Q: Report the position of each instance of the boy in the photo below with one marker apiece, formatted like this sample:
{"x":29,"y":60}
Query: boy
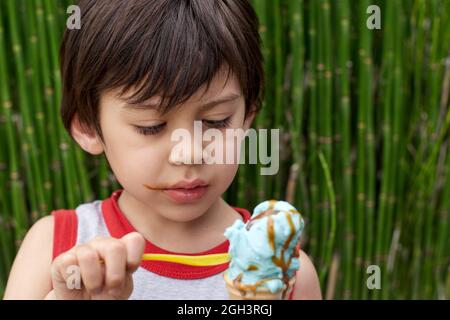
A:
{"x":136,"y":71}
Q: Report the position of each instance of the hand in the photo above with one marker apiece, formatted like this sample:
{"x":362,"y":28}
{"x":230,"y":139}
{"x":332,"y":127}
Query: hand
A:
{"x":104,"y":266}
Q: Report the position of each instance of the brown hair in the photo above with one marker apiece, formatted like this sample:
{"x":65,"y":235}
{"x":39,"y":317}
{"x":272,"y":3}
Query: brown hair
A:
{"x":166,"y":47}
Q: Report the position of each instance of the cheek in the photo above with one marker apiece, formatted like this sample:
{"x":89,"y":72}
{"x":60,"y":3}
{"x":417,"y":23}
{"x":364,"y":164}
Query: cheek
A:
{"x":223,"y":157}
{"x":224,"y":175}
{"x":132,"y":172}
{"x":134,"y":163}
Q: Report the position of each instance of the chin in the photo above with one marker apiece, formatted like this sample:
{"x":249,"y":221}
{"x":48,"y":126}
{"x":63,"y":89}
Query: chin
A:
{"x":186,"y":213}
{"x":183,"y":217}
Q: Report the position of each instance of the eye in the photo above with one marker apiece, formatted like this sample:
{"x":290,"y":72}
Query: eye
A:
{"x":218,"y":123}
{"x":147,"y":131}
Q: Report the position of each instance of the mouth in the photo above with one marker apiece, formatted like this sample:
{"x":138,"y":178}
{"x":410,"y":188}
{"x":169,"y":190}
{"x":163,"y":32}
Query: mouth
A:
{"x":184,"y":191}
{"x":188,"y":185}
{"x":183,"y":195}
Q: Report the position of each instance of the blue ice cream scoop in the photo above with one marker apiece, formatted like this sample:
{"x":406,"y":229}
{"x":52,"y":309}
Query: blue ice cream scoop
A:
{"x":264,"y":250}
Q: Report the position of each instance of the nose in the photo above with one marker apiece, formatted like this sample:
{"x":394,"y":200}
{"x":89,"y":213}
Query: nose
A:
{"x":187,"y":146}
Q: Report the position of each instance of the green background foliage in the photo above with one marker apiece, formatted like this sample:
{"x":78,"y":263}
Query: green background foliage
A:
{"x":364,"y":118}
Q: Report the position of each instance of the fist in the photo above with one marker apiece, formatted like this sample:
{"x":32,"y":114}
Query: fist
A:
{"x":104,"y":267}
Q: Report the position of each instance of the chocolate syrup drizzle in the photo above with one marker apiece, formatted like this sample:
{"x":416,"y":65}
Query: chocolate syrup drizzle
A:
{"x":278,"y":261}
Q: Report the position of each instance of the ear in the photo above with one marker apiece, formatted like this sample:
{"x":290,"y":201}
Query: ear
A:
{"x":88,"y":140}
{"x":249,"y":120}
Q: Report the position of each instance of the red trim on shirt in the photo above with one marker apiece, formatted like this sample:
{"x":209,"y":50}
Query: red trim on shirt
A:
{"x":64,"y":231}
{"x":118,"y":225}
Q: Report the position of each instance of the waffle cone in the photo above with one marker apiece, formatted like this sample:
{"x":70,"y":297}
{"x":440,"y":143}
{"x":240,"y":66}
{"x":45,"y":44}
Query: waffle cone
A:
{"x":260,"y":294}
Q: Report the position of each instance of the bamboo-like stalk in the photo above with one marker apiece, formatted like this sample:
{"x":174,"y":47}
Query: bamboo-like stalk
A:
{"x":336,"y":163}
{"x":414,"y":199}
{"x":56,"y":184}
{"x":366,"y":98}
{"x":401,"y":169}
{"x":397,"y":145}
{"x":386,"y":127}
{"x":32,"y":42}
{"x":263,"y":119}
{"x":312,"y":134}
{"x":325,"y":123}
{"x":363,"y":170}
{"x":344,"y":147}
{"x":421,"y":207}
{"x":295,"y":115}
{"x":332,"y":201}
{"x":416,"y":48}
{"x":434,"y":78}
{"x":278,"y":82}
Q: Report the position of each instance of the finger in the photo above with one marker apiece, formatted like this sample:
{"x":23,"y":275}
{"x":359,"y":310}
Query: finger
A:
{"x":113,"y":252}
{"x":60,"y":266}
{"x":91,"y":270}
{"x":135,"y":245}
{"x":65,"y":275}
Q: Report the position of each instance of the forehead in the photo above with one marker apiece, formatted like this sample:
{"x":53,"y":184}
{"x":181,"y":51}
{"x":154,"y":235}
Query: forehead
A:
{"x":222,"y":88}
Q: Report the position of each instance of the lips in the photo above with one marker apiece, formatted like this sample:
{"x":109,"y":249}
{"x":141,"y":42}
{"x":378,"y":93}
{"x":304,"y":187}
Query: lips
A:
{"x":188,"y":184}
{"x":186,"y":195}
{"x":184,"y":191}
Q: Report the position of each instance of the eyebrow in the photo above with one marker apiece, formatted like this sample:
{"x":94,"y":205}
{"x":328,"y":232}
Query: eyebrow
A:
{"x":205,"y":106}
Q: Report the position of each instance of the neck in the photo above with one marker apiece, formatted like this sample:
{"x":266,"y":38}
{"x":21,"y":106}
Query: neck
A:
{"x":179,"y":236}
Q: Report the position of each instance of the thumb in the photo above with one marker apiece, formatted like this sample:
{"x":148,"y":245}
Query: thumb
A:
{"x":135,"y":245}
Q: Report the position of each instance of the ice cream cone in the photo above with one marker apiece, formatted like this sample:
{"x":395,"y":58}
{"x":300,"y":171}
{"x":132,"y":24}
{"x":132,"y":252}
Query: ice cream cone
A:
{"x":260,"y":294}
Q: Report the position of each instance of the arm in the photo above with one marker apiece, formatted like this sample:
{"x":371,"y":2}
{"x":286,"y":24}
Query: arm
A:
{"x":30,"y":276}
{"x":307,"y":286}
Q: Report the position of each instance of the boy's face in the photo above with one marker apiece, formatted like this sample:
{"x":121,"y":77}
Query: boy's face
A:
{"x":139,"y":159}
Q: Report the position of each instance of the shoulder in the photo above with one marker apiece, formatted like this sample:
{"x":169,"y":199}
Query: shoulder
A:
{"x":307,"y":286}
{"x":41,"y":232}
{"x":36,"y":251}
{"x":43,"y":224}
